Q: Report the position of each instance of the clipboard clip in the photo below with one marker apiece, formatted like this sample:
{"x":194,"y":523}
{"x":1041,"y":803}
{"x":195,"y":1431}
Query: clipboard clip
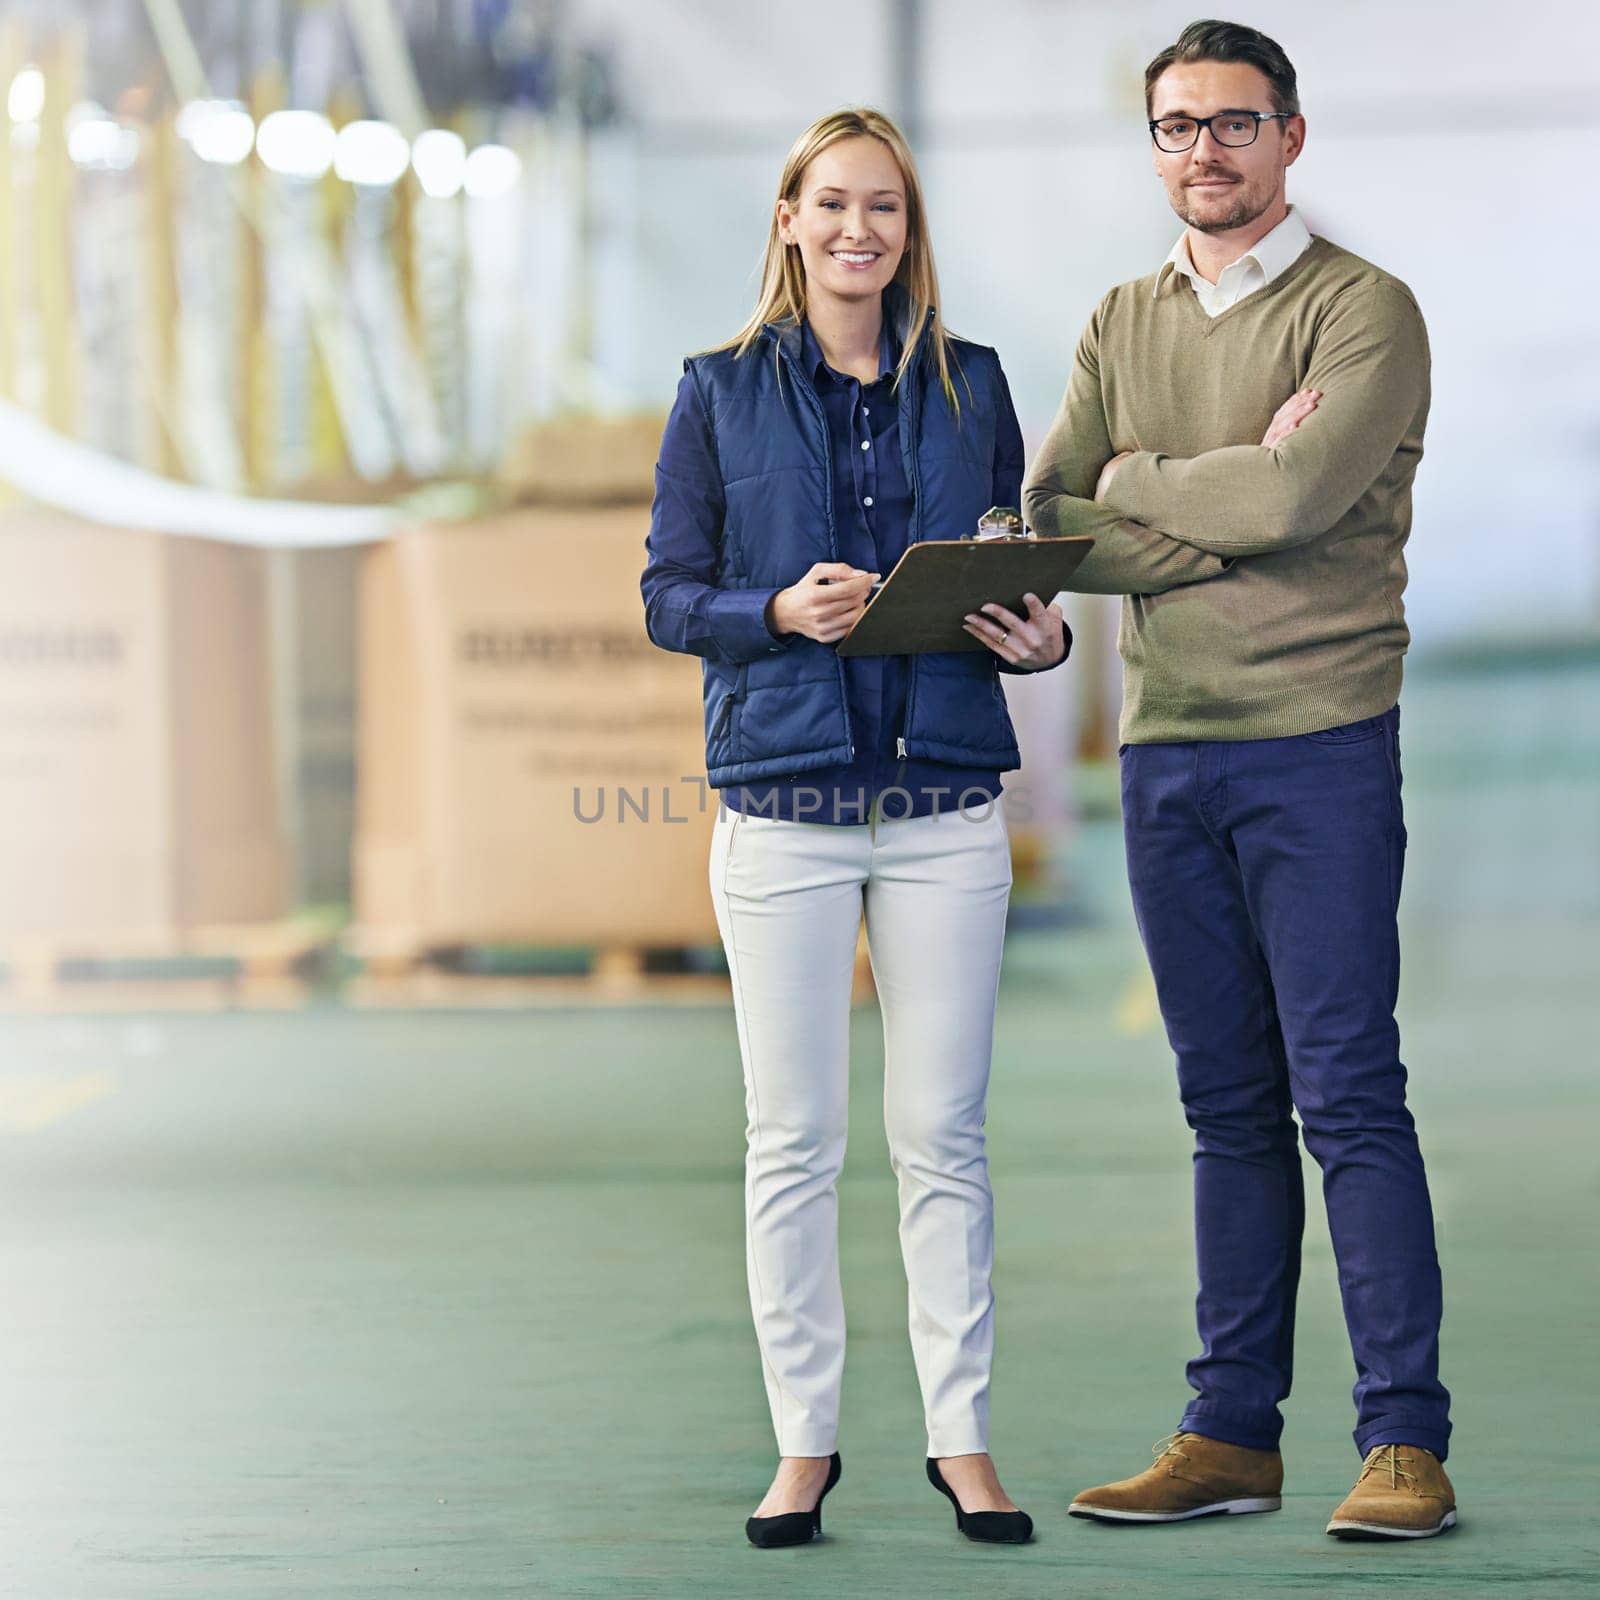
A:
{"x":1001,"y":522}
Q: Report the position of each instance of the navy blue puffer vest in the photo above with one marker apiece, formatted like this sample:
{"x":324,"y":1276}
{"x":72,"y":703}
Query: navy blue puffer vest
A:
{"x":785,"y":713}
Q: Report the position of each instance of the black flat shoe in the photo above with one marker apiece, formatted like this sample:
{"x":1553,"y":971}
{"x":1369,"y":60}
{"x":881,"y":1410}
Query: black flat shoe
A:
{"x":793,"y":1527}
{"x":987,"y":1527}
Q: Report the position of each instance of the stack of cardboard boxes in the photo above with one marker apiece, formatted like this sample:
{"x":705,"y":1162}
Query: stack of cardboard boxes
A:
{"x":137,"y":791}
{"x":530,"y":767}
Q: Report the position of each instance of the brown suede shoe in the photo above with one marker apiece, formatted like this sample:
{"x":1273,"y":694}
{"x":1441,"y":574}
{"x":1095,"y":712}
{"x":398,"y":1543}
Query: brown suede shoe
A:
{"x":1402,"y":1493}
{"x":1193,"y":1476}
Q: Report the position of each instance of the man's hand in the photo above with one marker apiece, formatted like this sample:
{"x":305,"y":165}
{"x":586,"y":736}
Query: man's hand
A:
{"x":1290,"y":415}
{"x":1036,"y":641}
{"x":1285,"y":420}
{"x":1107,"y":470}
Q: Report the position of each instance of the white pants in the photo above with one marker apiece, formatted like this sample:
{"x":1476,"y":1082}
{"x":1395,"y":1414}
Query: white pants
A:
{"x":789,"y":898}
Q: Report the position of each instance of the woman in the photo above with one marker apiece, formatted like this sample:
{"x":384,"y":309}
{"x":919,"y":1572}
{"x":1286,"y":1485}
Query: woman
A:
{"x":800,"y":459}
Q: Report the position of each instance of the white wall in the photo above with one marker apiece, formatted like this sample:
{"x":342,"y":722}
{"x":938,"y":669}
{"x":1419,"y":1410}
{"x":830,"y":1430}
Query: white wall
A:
{"x":1042,"y":196}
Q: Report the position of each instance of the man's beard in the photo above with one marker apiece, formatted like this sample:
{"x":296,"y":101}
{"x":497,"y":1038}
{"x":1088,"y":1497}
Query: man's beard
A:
{"x":1245,"y":209}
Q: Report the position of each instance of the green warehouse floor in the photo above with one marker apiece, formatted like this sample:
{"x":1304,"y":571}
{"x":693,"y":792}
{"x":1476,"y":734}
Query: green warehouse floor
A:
{"x":344,"y":1304}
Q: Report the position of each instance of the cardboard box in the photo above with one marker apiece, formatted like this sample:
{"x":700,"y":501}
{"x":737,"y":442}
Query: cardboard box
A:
{"x":585,"y":461}
{"x":137,"y":789}
{"x":530,"y":768}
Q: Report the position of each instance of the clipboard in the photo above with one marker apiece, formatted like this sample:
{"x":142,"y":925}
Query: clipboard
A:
{"x":921,"y":605}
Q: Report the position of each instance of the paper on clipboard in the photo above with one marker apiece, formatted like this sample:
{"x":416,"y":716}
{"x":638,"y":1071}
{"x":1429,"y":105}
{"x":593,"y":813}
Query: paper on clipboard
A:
{"x":922,"y":604}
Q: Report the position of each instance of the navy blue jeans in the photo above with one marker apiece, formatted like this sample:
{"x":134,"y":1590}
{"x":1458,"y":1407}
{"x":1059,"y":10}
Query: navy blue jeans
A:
{"x":1266,"y":881}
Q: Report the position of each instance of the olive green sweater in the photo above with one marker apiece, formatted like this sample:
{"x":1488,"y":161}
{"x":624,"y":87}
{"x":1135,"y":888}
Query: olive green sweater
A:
{"x":1263,"y":586}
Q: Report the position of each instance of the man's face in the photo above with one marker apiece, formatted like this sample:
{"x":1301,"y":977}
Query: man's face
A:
{"x":1215,"y":187}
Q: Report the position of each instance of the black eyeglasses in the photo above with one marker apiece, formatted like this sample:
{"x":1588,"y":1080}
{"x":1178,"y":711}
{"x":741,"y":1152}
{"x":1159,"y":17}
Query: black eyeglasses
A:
{"x":1232,"y":128}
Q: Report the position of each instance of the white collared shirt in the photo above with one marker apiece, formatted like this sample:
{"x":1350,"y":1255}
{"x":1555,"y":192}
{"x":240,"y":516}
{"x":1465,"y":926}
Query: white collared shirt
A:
{"x":1255,"y":269}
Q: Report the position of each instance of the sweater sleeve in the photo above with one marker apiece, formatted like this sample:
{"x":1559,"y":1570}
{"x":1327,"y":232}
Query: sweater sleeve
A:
{"x":684,"y":608}
{"x":1370,"y":360}
{"x":1058,"y":496}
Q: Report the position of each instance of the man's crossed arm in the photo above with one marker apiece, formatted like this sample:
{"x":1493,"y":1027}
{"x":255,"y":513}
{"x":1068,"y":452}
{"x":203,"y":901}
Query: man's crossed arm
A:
{"x":1160,"y":522}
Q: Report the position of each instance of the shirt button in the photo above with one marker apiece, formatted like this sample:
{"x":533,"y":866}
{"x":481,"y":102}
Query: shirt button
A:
{"x":866,"y":444}
{"x":867,"y":501}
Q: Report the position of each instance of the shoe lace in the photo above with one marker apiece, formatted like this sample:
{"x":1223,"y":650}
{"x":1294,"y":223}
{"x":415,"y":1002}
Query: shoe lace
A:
{"x":1386,"y":1455}
{"x":1169,"y":1447}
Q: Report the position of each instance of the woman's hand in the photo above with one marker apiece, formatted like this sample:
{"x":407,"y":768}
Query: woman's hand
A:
{"x":1290,"y":415}
{"x":824,"y":611}
{"x":1035,"y":641}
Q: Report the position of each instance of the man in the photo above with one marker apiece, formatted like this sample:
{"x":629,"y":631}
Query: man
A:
{"x":1259,"y":546}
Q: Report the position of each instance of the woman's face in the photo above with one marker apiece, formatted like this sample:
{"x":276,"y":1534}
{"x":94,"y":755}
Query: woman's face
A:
{"x":850,"y":219}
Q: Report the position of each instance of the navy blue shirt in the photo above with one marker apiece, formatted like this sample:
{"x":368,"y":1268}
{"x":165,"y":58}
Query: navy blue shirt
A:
{"x":872,"y":518}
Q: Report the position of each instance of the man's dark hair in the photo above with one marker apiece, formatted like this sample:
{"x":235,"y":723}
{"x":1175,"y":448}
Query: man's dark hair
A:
{"x":1229,"y":41}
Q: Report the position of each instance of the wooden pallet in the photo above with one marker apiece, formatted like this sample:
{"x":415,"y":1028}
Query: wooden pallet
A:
{"x":275,"y":966}
{"x":402,"y":969}
{"x":267,"y":965}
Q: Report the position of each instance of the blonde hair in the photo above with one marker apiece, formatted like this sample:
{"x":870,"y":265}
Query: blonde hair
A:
{"x":783,"y":273}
